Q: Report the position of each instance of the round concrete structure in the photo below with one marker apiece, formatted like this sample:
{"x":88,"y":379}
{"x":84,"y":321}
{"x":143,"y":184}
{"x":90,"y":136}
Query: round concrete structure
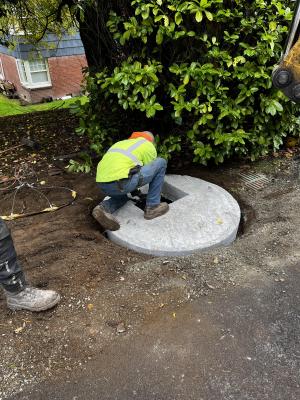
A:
{"x":202,"y":216}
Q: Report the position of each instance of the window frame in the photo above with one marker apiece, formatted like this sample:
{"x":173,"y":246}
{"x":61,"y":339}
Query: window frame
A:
{"x":28,"y":74}
{"x":2,"y":74}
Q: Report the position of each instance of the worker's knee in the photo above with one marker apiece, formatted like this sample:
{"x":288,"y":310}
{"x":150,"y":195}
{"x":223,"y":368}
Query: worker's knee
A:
{"x":161,"y":162}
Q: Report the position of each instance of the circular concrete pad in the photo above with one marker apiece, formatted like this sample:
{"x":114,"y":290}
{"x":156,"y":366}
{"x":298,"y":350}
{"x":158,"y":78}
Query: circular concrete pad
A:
{"x":202,"y":216}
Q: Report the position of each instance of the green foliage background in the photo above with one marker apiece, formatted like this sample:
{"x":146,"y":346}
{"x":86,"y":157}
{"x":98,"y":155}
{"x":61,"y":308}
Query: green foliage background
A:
{"x":197,"y":73}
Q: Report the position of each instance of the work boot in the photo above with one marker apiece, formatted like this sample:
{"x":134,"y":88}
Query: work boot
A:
{"x":156,"y":211}
{"x":32,"y":299}
{"x":105,"y":219}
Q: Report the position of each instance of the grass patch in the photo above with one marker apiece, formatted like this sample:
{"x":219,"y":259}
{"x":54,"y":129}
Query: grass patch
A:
{"x":13,"y":107}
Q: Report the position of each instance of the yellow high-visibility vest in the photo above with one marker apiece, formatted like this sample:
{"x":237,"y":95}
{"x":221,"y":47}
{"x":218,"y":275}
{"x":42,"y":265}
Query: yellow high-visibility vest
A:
{"x":122,"y":157}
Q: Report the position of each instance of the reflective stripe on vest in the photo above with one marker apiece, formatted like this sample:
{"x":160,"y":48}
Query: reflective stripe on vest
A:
{"x":128,"y":152}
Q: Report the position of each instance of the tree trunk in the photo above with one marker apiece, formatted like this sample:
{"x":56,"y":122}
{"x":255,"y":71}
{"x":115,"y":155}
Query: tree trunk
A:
{"x":100,"y":47}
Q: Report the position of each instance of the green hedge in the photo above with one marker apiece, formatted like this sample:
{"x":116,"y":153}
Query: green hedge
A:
{"x":198,"y":73}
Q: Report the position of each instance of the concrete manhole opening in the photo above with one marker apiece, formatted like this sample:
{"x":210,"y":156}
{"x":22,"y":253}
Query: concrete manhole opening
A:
{"x":139,"y":197}
{"x":202,"y":215}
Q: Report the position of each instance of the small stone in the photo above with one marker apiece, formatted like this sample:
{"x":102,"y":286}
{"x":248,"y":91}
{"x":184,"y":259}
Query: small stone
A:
{"x":121,"y":328}
{"x":93,"y":332}
{"x":209,"y":286}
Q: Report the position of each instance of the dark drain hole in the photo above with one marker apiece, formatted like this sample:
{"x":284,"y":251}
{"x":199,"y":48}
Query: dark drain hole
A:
{"x":140,"y":199}
{"x":248,"y":216}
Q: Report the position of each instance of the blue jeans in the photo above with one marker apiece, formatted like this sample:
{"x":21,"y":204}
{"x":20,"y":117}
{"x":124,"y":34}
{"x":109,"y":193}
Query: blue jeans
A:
{"x":152,"y":173}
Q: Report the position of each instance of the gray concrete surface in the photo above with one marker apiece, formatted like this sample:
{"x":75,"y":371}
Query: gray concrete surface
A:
{"x":202,"y":216}
{"x":238,"y":344}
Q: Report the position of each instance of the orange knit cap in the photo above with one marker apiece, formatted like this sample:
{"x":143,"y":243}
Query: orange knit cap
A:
{"x":146,"y":135}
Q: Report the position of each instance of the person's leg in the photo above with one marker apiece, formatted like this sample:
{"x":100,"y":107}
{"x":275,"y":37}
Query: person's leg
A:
{"x":12,"y":277}
{"x":18,"y":293}
{"x":154,"y":174}
{"x":114,"y":203}
{"x":117,"y":192}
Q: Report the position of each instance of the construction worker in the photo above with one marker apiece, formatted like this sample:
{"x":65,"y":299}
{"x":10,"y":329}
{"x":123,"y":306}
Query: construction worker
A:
{"x":128,"y":165}
{"x":18,"y":293}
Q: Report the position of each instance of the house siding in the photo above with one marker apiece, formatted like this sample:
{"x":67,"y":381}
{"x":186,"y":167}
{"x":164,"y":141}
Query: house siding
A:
{"x":11,"y":74}
{"x":66,"y":78}
{"x":5,"y":50}
{"x":51,"y":46}
{"x":65,"y":62}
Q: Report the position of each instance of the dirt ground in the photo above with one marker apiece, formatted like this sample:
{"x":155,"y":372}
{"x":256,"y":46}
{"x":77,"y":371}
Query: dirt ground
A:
{"x":109,"y":294}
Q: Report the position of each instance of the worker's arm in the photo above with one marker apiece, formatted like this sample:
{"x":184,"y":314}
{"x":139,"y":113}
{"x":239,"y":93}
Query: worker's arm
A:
{"x":149,"y":153}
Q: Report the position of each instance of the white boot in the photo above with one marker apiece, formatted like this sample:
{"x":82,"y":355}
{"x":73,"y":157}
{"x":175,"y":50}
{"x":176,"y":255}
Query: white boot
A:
{"x":32,"y":299}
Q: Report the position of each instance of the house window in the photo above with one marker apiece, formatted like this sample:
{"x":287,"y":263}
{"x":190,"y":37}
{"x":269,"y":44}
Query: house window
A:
{"x":22,"y":72}
{"x":2,"y":76}
{"x":34,"y":74}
